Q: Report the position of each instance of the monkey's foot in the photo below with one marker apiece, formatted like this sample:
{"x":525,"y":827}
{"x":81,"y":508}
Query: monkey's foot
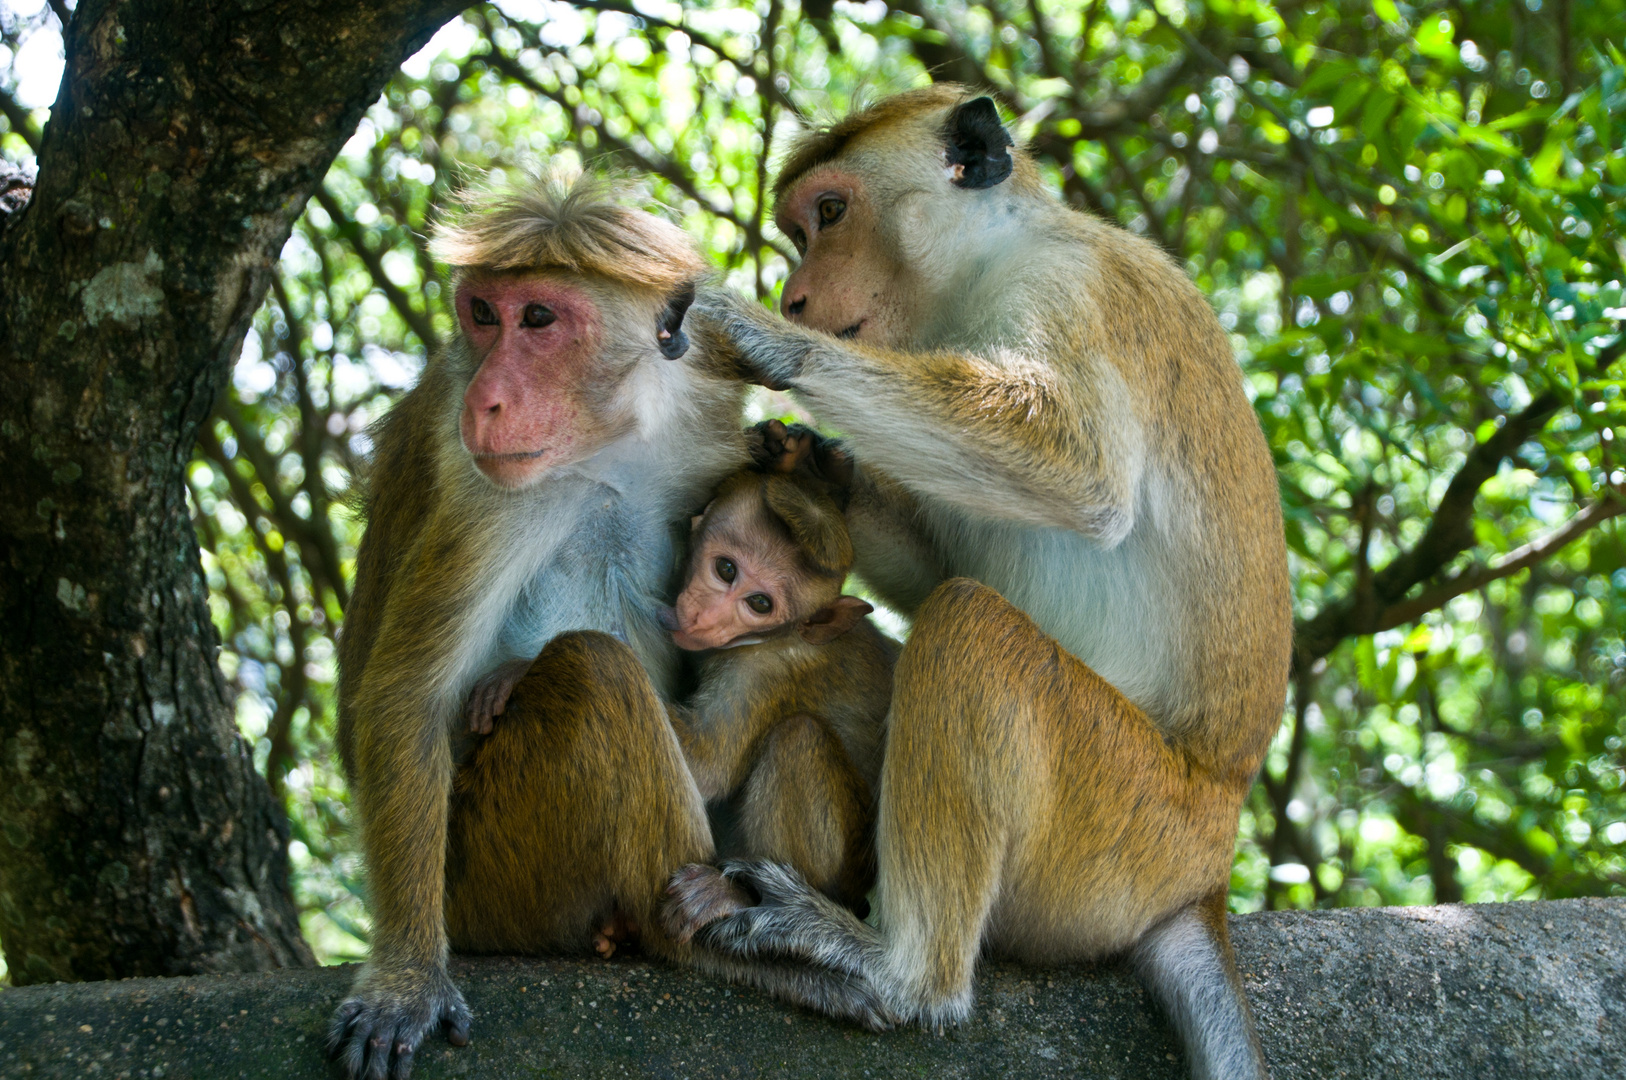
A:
{"x":698,"y":896}
{"x":779,"y":447}
{"x":618,"y":929}
{"x":791,"y":920}
{"x":490,"y":695}
{"x":378,"y":1028}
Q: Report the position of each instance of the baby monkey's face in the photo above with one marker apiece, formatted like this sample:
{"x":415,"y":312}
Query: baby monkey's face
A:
{"x":739,"y":589}
{"x":763,"y":556}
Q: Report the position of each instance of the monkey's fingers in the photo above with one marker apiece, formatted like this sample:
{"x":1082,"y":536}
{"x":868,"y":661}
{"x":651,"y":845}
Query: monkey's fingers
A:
{"x":339,"y":1040}
{"x":478,"y":712}
{"x":375,"y":1033}
{"x":456,"y":1022}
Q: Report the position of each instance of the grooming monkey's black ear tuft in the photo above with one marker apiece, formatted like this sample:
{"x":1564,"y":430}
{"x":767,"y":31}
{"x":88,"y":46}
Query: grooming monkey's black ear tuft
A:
{"x":669,"y":335}
{"x":978,"y":144}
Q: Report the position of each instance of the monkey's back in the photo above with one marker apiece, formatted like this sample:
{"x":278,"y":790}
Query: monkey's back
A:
{"x":1189,"y":614}
{"x":845,"y":684}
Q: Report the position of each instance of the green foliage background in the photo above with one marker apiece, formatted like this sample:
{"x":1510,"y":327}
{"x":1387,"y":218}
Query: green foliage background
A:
{"x":1408,"y":215}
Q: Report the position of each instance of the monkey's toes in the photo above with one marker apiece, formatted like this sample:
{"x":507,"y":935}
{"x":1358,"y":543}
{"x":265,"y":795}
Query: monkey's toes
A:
{"x":618,"y":929}
{"x":697,"y":897}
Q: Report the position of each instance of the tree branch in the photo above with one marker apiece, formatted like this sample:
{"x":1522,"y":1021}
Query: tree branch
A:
{"x":1612,"y":504}
{"x":1448,"y":535}
{"x":417,"y":321}
{"x":20,"y":120}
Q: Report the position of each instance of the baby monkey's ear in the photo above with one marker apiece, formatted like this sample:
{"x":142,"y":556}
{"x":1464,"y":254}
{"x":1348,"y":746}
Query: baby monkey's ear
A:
{"x":829,"y":623}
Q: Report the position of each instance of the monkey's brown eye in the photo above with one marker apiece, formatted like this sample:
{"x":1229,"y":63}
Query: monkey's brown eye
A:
{"x":482,"y":313}
{"x":799,"y":238}
{"x":761,"y":603}
{"x":830,"y":211}
{"x":538,"y":315}
{"x":725,"y":569}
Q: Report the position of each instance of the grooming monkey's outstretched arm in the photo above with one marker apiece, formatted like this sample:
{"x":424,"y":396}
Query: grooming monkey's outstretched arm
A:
{"x":1011,"y":439}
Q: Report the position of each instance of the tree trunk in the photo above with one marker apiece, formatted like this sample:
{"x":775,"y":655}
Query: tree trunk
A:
{"x":135,"y":836}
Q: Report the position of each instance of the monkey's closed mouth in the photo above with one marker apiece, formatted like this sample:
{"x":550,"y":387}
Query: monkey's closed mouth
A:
{"x":851,"y":331}
{"x":530,"y":455}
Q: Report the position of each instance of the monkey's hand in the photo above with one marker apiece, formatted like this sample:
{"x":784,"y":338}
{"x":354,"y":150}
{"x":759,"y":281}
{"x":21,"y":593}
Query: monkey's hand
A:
{"x":760,"y":347}
{"x":697,"y":897}
{"x":389,"y":1011}
{"x":490,"y":694}
{"x":790,"y":448}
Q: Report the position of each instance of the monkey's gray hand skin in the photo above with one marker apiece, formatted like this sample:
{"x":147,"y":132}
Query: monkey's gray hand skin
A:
{"x":791,"y":922}
{"x":490,"y":694}
{"x":765,"y":349}
{"x":700,"y":895}
{"x":378,"y":1028}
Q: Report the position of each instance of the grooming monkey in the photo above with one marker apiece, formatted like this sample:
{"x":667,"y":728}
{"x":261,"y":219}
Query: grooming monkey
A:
{"x":791,"y":708}
{"x":1059,"y":476}
{"x":526,"y":497}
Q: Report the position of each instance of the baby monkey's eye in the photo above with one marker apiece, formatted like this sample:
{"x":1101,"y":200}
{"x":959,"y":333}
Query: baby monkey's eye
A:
{"x":830,"y":211}
{"x":761,"y":603}
{"x":537,"y":315}
{"x":799,"y":238}
{"x":725,"y":568}
{"x":482,"y":313}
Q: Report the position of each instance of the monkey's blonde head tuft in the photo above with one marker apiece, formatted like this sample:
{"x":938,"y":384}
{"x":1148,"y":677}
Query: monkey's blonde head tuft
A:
{"x":564,"y":219}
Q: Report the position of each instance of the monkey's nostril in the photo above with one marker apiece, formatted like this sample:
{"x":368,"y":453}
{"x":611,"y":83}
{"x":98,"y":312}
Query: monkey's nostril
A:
{"x":795,"y":307}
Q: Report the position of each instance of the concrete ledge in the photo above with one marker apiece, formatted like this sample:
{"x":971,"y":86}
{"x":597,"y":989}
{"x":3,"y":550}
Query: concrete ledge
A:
{"x":1482,"y":991}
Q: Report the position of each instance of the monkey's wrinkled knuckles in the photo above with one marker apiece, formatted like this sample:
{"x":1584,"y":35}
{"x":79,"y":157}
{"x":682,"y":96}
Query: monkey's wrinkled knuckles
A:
{"x":378,"y":1029}
{"x":619,"y":929}
{"x":698,"y":896}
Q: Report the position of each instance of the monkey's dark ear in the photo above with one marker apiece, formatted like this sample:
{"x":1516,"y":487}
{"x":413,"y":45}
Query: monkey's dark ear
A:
{"x":978,"y":145}
{"x":829,"y":623}
{"x":669,"y":333}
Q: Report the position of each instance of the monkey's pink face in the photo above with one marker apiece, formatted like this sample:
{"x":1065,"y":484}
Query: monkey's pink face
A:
{"x":728,"y":600}
{"x":848,"y":282}
{"x":537,"y":339}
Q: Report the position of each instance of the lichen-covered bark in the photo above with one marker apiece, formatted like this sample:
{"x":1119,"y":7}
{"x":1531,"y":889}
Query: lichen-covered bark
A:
{"x":135,"y":836}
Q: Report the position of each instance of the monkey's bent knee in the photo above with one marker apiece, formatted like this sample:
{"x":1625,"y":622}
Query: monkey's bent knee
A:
{"x":960,"y":601}
{"x":587,"y":651}
{"x":972,"y":648}
{"x":587,"y":674}
{"x":963,"y":617}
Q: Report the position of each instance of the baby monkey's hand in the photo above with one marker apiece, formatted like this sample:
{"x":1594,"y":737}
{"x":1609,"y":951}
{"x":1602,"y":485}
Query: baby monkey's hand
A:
{"x":791,"y":448}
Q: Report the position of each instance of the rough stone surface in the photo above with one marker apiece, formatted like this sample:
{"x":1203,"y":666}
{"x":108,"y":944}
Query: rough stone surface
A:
{"x":1481,"y":991}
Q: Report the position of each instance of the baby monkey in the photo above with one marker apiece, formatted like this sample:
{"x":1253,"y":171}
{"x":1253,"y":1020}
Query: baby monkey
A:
{"x":789,"y":718}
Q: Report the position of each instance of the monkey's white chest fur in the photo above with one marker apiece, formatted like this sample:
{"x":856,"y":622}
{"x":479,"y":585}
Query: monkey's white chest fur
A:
{"x":1118,"y":609}
{"x":594,"y":555}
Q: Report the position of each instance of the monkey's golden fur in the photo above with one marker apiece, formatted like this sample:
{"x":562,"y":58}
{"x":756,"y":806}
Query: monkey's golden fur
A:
{"x":580,"y":804}
{"x":791,"y":727}
{"x":1060,"y":478}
